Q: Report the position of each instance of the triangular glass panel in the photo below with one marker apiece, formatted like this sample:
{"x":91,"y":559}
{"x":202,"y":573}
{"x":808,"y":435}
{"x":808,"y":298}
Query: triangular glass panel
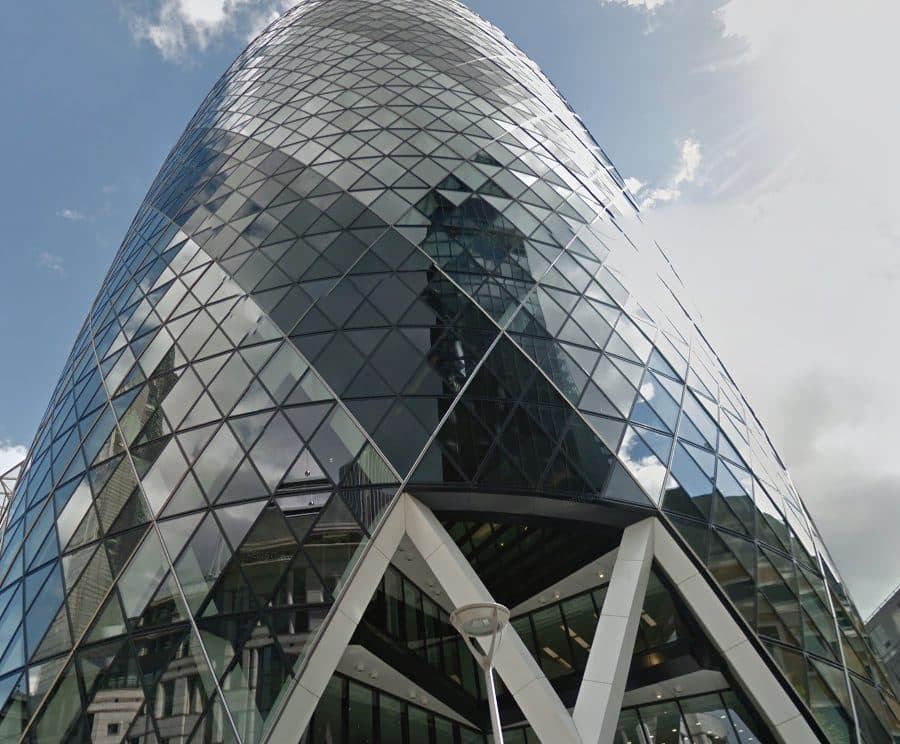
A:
{"x":265,"y":551}
{"x":61,"y":717}
{"x":176,"y":532}
{"x":334,"y":542}
{"x":275,"y":450}
{"x":165,"y":609}
{"x":245,"y":484}
{"x":833,"y":713}
{"x":249,"y":703}
{"x":57,"y":638}
{"x":143,"y":576}
{"x":248,"y":428}
{"x":223,"y":637}
{"x":214,"y":467}
{"x":642,"y":461}
{"x":44,"y":608}
{"x":187,"y":497}
{"x":165,"y":658}
{"x":120,"y":546}
{"x":202,"y":562}
{"x":213,"y":726}
{"x":120,"y":489}
{"x":732,"y":576}
{"x":255,"y":399}
{"x":109,"y":623}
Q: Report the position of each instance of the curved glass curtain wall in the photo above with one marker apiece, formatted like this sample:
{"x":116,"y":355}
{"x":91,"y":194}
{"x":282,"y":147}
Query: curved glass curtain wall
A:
{"x":382,"y":224}
{"x":714,"y":718}
{"x":356,"y":713}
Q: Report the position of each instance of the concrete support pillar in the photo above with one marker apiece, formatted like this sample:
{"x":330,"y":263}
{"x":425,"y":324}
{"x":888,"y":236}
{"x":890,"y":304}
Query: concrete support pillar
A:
{"x":516,"y":666}
{"x":603,"y":685}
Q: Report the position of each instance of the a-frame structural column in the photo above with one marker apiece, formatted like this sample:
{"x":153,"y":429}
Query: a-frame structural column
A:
{"x":603,"y":685}
{"x":745,"y":662}
{"x":514,"y":663}
{"x":301,"y":702}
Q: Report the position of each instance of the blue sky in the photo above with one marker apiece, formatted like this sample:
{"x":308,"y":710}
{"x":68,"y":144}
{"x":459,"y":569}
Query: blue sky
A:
{"x":760,"y":137}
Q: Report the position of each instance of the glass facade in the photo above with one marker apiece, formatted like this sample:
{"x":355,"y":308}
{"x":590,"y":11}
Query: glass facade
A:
{"x":704,"y":719}
{"x":384,"y":255}
{"x":884,"y":629}
{"x":355,"y":713}
{"x":558,"y":635}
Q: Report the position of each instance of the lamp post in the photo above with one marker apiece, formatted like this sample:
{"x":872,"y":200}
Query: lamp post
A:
{"x":482,"y":620}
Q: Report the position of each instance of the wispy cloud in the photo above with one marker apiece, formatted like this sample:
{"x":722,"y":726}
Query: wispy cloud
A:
{"x":642,"y":4}
{"x":685,"y":172}
{"x":74,"y":215}
{"x":179,"y":28}
{"x":51,"y":261}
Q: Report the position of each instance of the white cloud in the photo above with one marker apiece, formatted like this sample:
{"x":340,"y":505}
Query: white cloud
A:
{"x":690,"y":162}
{"x":10,"y":454}
{"x":634,"y":185}
{"x":71,"y":214}
{"x":644,"y":465}
{"x":178,"y":28}
{"x":643,"y":4}
{"x":686,"y":171}
{"x":790,"y":261}
{"x":51,"y":261}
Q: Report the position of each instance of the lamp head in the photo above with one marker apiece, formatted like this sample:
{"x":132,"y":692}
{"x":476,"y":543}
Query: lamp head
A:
{"x":480,"y":619}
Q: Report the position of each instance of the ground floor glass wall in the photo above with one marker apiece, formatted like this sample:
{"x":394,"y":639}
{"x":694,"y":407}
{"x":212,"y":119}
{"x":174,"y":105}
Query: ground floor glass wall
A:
{"x":353,"y":713}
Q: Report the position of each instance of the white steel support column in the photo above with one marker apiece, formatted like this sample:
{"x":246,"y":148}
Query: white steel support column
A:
{"x":514,"y":663}
{"x":767,"y":692}
{"x":295,"y":713}
{"x":603,"y":685}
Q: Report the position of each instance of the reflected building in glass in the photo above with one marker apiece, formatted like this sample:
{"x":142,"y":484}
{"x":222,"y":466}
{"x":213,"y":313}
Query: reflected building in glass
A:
{"x":387,"y":335}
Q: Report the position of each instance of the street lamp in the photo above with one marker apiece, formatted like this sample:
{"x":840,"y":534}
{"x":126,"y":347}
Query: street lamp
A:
{"x":479,"y":621}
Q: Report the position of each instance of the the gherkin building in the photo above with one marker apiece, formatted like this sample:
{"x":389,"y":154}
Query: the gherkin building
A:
{"x":386,"y":337}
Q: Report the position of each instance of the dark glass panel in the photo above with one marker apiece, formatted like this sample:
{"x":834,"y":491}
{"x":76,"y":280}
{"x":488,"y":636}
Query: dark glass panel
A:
{"x":665,"y":724}
{"x":552,"y":640}
{"x":725,"y":562}
{"x":334,"y":543}
{"x":327,"y":722}
{"x":706,"y":719}
{"x":629,"y":729}
{"x":748,"y":728}
{"x":61,"y":718}
{"x":391,"y":718}
{"x":827,"y":695}
{"x":580,"y":618}
{"x":361,"y":710}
